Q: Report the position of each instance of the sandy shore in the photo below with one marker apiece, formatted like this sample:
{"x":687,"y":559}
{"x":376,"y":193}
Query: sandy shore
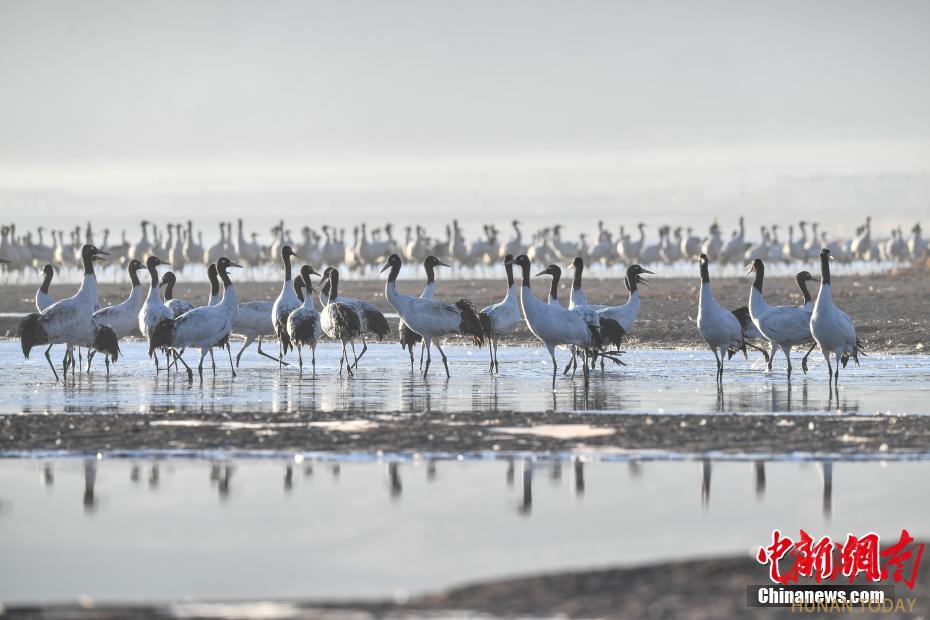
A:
{"x":891,"y":311}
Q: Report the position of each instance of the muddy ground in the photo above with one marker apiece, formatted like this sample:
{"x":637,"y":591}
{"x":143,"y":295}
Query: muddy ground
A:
{"x":891,"y":311}
{"x":694,"y":589}
{"x":472,"y":432}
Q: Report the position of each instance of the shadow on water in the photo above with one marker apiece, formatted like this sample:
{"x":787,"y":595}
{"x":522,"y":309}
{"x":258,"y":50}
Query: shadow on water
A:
{"x":655,"y":381}
{"x":307,"y":526}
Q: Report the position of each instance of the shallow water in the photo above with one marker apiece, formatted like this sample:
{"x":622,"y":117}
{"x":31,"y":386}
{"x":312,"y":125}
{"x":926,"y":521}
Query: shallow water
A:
{"x":654,"y":381}
{"x":149,"y":530}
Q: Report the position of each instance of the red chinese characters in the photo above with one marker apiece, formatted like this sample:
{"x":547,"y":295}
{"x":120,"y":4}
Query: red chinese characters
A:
{"x":823,"y":559}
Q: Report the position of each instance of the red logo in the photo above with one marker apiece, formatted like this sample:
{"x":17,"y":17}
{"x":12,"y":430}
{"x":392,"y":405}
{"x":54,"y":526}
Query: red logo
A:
{"x":824,"y":559}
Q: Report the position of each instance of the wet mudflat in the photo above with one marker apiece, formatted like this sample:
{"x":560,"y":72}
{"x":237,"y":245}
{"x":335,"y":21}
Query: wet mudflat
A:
{"x":341,"y":529}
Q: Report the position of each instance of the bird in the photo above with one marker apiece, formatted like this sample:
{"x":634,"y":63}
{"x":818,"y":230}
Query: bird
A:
{"x":43,"y":299}
{"x":371,"y":320}
{"x":553,"y":324}
{"x":338,"y":321}
{"x":832,"y":328}
{"x":430,"y":318}
{"x":718,"y":326}
{"x":71,"y":321}
{"x":303,"y":324}
{"x":409,"y":338}
{"x":286,"y":303}
{"x":802,"y":278}
{"x":783,"y":326}
{"x":502,"y":318}
{"x":177,"y":306}
{"x":215,"y":296}
{"x":154,"y":310}
{"x":625,"y":314}
{"x":123,"y":318}
{"x":201,"y":328}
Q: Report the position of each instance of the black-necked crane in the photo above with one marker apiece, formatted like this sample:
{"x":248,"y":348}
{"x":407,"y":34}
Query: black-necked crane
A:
{"x":303,"y":324}
{"x":177,"y":306}
{"x":43,"y":299}
{"x":371,"y":320}
{"x":502,"y":318}
{"x":154,"y":310}
{"x":286,"y":303}
{"x":832,"y":328}
{"x":718,"y":326}
{"x":430,"y":318}
{"x":407,"y":337}
{"x":71,"y":321}
{"x":201,"y":328}
{"x":783,"y":326}
{"x":123,"y":318}
{"x":339,"y":322}
{"x":553,"y":324}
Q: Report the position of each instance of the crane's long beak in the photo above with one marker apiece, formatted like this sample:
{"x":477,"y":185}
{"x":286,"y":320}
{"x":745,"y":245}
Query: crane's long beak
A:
{"x":386,"y":267}
{"x":102,"y":253}
{"x":542,"y":273}
{"x":442,"y":264}
{"x":750,"y":267}
{"x":647,"y":271}
{"x":236,"y":265}
{"x":313,"y":272}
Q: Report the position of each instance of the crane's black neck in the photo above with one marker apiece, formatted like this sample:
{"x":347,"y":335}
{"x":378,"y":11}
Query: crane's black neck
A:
{"x":287,"y":267}
{"x":509,"y":269}
{"x":392,"y":274}
{"x":630,"y":281}
{"x":760,"y":274}
{"x":576,"y":280}
{"x":214,"y":281}
{"x":430,"y":273}
{"x":169,"y":289}
{"x":299,"y":288}
{"x":133,"y":277}
{"x":308,"y":285}
{"x":334,"y":285}
{"x":824,"y":269}
{"x":88,"y":264}
{"x":802,"y":284}
{"x":153,"y":276}
{"x":224,"y":276}
{"x":526,"y":275}
{"x":46,"y":281}
{"x":554,"y":286}
{"x":705,"y":273}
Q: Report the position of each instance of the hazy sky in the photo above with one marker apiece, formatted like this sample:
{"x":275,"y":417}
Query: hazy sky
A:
{"x":220,"y":89}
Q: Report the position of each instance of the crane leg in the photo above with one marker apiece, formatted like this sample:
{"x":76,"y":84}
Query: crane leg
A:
{"x":804,"y":359}
{"x":50,"y":364}
{"x":426,"y":345}
{"x":229,"y":353}
{"x":245,"y":346}
{"x":445,"y":361}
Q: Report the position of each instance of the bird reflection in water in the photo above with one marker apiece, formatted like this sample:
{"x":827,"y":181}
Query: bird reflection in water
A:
{"x":431,"y":470}
{"x":48,"y":475}
{"x":90,"y":480}
{"x":526,"y":506}
{"x":397,"y":487}
{"x":579,"y":477}
{"x":288,"y":478}
{"x":759,"y":467}
{"x":705,"y":484}
{"x":826,"y":468}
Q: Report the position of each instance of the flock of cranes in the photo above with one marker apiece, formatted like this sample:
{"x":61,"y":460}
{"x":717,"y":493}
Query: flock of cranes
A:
{"x":181,"y":245}
{"x":590,"y":331}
